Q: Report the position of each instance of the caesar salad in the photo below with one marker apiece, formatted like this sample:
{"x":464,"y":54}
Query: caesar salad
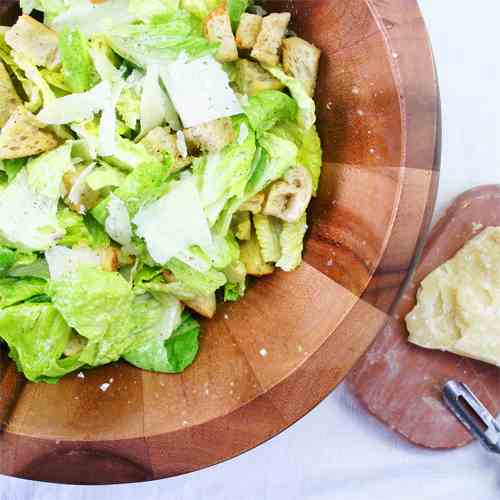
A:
{"x":154,"y":156}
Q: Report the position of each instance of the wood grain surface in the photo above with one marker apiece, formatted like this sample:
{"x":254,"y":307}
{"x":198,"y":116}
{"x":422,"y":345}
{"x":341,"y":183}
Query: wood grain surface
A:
{"x":266,"y":361}
{"x":401,"y":384}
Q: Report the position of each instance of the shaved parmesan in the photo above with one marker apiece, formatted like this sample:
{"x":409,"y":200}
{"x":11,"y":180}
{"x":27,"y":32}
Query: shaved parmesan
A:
{"x":62,"y":260}
{"x":118,"y":222}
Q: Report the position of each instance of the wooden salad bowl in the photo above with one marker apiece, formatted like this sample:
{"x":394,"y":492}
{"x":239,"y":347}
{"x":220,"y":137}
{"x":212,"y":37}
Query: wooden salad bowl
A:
{"x":266,"y":361}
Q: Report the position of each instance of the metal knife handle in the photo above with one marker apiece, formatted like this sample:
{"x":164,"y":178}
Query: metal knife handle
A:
{"x":473,"y":414}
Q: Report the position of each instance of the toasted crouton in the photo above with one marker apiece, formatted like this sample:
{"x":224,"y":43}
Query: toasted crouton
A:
{"x":109,"y":259}
{"x":253,"y":78}
{"x":301,"y":60}
{"x":35,"y":40}
{"x":218,"y":28}
{"x":266,"y":49}
{"x":23,"y":135}
{"x":9,"y":100}
{"x":160,"y":141}
{"x":205,"y":306}
{"x":211,"y":136}
{"x":248,"y":31}
{"x":254,"y":204}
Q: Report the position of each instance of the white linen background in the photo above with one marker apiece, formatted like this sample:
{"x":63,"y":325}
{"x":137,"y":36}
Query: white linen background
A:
{"x":337,"y":452}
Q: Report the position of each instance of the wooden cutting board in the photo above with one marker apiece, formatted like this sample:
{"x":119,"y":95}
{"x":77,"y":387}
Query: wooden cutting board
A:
{"x":401,"y":384}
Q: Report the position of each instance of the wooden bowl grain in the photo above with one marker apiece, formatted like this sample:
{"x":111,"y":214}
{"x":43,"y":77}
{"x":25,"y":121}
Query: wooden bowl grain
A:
{"x":268,"y":360}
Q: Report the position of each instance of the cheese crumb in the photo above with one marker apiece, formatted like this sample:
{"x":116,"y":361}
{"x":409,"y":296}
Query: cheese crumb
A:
{"x":181,"y":144}
{"x":263,"y":352}
{"x":81,"y":375}
{"x":104,"y":387}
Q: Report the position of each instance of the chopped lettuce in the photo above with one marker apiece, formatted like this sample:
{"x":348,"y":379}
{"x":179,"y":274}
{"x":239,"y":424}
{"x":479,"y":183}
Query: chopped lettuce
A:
{"x":200,"y":8}
{"x":97,"y":305}
{"x":8,"y":258}
{"x":235,"y":9}
{"x":105,"y":176}
{"x":173,"y":223}
{"x":29,"y":265}
{"x":307,"y":106}
{"x":268,"y":231}
{"x":76,"y":61}
{"x":141,"y":186}
{"x":198,"y":283}
{"x":62,"y":260}
{"x":292,"y":244}
{"x":37,"y":336}
{"x":12,"y":167}
{"x":223,"y":175}
{"x":118,"y":221}
{"x":171,"y":355}
{"x":16,"y":290}
{"x":277,"y":155}
{"x":309,"y":144}
{"x":160,"y":40}
{"x":268,"y":107}
{"x":153,"y":105}
{"x":145,"y":11}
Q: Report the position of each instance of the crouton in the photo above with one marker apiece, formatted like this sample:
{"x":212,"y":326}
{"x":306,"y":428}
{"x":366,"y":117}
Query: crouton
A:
{"x":254,"y":205}
{"x":301,"y":60}
{"x":23,"y":135}
{"x":9,"y":100}
{"x":248,"y":31}
{"x":109,"y":259}
{"x":211,"y":136}
{"x":160,"y":141}
{"x":253,"y":78}
{"x":34,"y":40}
{"x":218,"y":28}
{"x":266,"y":49}
{"x":205,"y":306}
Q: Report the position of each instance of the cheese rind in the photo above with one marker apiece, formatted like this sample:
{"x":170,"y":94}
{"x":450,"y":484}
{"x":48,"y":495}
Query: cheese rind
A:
{"x":458,"y":304}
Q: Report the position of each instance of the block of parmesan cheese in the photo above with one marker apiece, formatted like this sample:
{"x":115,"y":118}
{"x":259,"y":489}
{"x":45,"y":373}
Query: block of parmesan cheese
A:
{"x":458,"y":304}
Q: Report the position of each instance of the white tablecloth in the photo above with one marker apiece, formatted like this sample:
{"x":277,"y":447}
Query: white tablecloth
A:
{"x":337,"y":452}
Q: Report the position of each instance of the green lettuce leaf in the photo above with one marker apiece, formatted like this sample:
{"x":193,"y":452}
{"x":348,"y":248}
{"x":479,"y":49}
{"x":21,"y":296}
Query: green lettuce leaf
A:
{"x":79,"y":73}
{"x":307,"y":106}
{"x":292,"y":244}
{"x":310,"y":153}
{"x":147,"y":10}
{"x":29,"y":265}
{"x":235,"y":9}
{"x":7,"y":259}
{"x":200,"y":8}
{"x":105,"y":176}
{"x":81,"y":230}
{"x":142,"y":185}
{"x":16,"y":290}
{"x":12,"y":167}
{"x":37,"y":336}
{"x":275,"y":157}
{"x":97,"y":305}
{"x":268,"y":231}
{"x":232,"y":292}
{"x":268,"y":107}
{"x":223,"y":175}
{"x":196,"y":282}
{"x":172,"y":355}
{"x":162,"y":39}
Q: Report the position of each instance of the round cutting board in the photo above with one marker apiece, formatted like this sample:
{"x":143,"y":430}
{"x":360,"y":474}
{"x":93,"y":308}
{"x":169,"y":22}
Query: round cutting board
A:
{"x":267,"y":360}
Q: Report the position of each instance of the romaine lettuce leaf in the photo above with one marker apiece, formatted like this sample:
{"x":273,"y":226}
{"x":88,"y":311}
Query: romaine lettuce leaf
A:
{"x":79,"y":73}
{"x":310,"y":153}
{"x":277,"y":155}
{"x":200,"y":8}
{"x":37,"y":336}
{"x":223,"y":175}
{"x":7,"y":259}
{"x":147,"y":10}
{"x":162,"y":39}
{"x":153,"y":318}
{"x":268,"y":230}
{"x":97,"y":305}
{"x":235,"y":9}
{"x":223,"y":251}
{"x":307,"y":107}
{"x":172,"y":355}
{"x":29,"y":265}
{"x":141,"y":186}
{"x":292,"y":244}
{"x":105,"y":176}
{"x":268,"y":107}
{"x":196,"y":282}
{"x":16,"y":290}
{"x":12,"y":167}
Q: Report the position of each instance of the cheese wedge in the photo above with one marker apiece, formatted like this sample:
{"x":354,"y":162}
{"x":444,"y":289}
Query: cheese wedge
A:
{"x":458,"y":304}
